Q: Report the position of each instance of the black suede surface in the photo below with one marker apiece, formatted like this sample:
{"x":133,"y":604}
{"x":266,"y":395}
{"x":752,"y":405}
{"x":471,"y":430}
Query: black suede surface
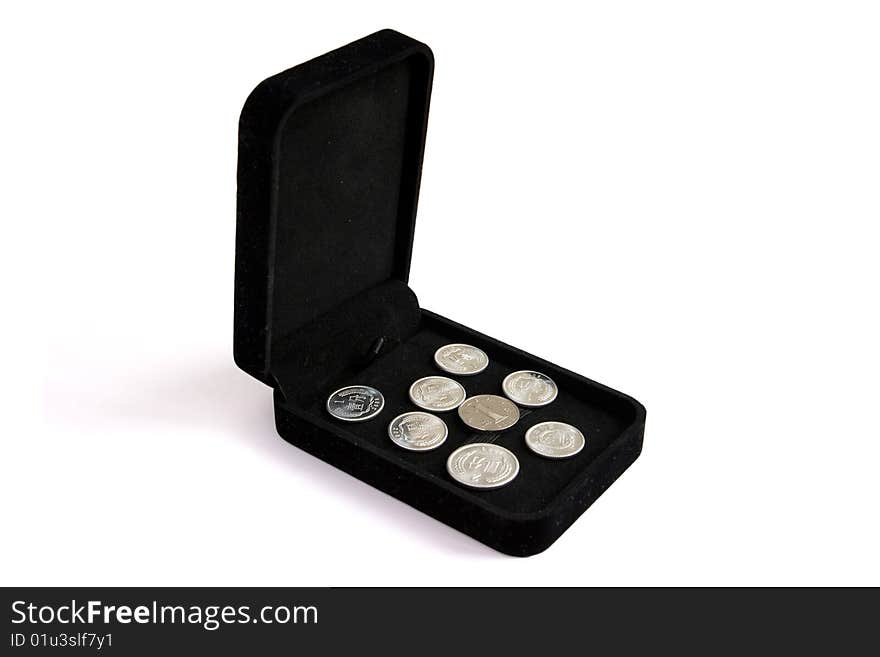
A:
{"x":329,"y":165}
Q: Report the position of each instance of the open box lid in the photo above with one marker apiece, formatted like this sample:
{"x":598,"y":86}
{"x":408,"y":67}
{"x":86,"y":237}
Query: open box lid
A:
{"x":330,"y":157}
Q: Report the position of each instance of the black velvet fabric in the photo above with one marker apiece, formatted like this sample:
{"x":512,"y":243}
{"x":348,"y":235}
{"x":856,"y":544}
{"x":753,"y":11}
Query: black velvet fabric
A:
{"x":341,"y":225}
{"x":329,"y":166}
{"x":330,"y":158}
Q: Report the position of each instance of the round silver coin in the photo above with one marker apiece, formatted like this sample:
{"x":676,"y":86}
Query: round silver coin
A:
{"x":528,"y":388}
{"x":555,"y":440}
{"x":437,"y":393}
{"x":488,"y":413}
{"x":355,"y":403}
{"x":461,"y":359}
{"x":482,"y":465}
{"x":417,"y":431}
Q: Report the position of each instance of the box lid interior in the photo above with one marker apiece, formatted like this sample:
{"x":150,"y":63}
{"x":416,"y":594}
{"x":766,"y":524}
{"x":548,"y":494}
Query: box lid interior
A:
{"x":330,"y":156}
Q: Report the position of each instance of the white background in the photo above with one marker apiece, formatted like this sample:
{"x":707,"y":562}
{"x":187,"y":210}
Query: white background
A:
{"x":677,"y":199}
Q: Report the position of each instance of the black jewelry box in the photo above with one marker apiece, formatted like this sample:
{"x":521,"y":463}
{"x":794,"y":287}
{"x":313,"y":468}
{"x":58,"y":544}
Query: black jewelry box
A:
{"x":330,"y":157}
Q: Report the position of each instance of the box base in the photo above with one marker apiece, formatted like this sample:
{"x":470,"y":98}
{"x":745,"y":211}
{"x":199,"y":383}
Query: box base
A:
{"x":524,"y":517}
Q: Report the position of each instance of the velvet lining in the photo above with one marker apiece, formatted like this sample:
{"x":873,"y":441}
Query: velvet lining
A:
{"x":341,"y":158}
{"x":601,"y":415}
{"x":330,"y":158}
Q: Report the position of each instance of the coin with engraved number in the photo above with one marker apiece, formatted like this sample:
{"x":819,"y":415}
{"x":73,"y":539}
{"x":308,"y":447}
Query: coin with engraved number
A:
{"x":417,"y":431}
{"x":355,"y":403}
{"x":437,"y":393}
{"x":488,"y":413}
{"x":555,"y":440}
{"x":482,"y":465}
{"x":529,"y":388}
{"x":461,"y":359}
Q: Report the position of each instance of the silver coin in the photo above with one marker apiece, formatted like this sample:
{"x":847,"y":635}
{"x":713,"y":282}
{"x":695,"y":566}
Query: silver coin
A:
{"x":556,"y":440}
{"x":528,"y":388}
{"x":355,"y":403}
{"x":461,"y":359}
{"x":417,"y":431}
{"x":437,"y":393}
{"x":482,"y":465}
{"x":488,"y":413}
